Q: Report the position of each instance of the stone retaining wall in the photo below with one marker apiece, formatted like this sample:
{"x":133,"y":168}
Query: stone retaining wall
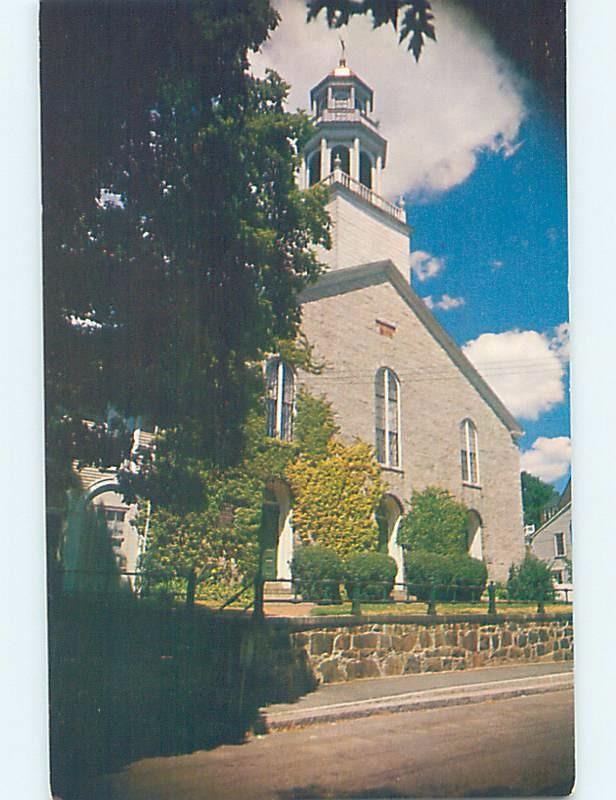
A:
{"x":373,"y":650}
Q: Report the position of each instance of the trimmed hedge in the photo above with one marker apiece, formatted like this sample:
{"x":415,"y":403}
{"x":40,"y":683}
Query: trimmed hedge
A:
{"x":454,"y":577}
{"x":374,"y":572}
{"x":317,"y":573}
{"x":531,"y":580}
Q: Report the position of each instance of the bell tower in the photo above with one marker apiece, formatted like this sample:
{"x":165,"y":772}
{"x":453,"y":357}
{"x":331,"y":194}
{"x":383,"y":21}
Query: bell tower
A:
{"x":348,"y":154}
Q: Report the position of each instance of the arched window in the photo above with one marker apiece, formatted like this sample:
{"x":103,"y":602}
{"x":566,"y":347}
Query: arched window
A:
{"x":469,"y":452}
{"x":280,"y":386}
{"x":314,"y":168}
{"x":365,"y":170}
{"x":387,"y":417}
{"x":341,"y":152}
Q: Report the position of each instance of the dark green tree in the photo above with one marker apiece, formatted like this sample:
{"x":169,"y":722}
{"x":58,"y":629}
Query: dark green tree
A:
{"x":537,"y":496}
{"x":173,"y":259}
{"x":412,"y":19}
{"x":205,"y":518}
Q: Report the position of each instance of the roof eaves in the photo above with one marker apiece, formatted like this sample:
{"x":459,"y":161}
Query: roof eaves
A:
{"x":552,"y":519}
{"x":363,"y":275}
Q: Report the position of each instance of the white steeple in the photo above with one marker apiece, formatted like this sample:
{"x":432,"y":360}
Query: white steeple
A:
{"x":348,"y":154}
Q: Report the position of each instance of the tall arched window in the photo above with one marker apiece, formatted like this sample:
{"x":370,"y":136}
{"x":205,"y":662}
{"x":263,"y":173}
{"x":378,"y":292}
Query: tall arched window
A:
{"x":341,"y":152}
{"x":280,"y":385}
{"x":469,"y":452}
{"x":387,"y":417}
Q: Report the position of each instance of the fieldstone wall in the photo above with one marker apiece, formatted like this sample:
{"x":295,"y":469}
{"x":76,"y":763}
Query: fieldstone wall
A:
{"x":375,"y":650}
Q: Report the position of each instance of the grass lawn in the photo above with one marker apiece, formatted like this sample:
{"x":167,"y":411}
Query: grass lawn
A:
{"x":413,"y":609}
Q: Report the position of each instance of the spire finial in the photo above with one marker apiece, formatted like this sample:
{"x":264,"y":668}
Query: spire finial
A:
{"x":343,"y":53}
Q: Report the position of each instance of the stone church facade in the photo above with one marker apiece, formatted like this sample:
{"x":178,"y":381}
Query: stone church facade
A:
{"x":395,"y":378}
{"x":393,"y":375}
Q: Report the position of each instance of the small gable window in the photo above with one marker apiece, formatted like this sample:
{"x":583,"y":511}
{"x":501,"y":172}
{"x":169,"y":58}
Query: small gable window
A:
{"x":387,"y":417}
{"x":280,"y":387}
{"x":469,"y":452}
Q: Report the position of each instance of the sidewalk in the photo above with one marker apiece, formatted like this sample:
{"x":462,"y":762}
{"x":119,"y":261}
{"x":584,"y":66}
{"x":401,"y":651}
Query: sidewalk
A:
{"x":363,"y":698}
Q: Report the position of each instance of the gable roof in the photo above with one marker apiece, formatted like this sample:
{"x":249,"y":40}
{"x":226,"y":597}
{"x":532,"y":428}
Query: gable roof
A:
{"x":362,"y":276}
{"x":554,"y":518}
{"x":565,"y":497}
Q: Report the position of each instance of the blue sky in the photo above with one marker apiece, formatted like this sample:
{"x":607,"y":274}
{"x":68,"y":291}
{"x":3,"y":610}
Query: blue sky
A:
{"x":502,"y":238}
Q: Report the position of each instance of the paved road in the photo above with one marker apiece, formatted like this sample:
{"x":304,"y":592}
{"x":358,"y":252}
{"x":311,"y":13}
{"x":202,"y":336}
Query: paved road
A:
{"x":518,"y":747}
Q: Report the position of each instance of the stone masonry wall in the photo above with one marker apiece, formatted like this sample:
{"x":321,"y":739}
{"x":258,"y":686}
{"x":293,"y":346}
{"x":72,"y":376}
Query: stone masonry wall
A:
{"x":378,"y":650}
{"x":435,"y":397}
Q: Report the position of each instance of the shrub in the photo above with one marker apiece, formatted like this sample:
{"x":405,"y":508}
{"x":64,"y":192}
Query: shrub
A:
{"x":531,"y":580}
{"x":436,"y":523}
{"x":317,"y":572}
{"x":374,"y":572}
{"x":336,"y":496}
{"x":454,"y":576}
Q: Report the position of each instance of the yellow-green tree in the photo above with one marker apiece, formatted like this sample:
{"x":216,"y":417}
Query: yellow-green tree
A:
{"x":335,"y":497}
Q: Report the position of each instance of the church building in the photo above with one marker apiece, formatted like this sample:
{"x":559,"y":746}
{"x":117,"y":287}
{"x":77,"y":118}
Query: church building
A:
{"x":394,"y":376}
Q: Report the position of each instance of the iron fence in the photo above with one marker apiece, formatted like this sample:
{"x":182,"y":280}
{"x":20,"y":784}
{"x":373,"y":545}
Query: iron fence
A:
{"x":423,"y":597}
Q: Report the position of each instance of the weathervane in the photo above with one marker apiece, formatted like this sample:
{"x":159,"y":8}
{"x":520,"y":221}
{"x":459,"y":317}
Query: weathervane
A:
{"x":343,"y":48}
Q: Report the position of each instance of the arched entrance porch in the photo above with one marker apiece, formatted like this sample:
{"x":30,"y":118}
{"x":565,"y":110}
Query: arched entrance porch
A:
{"x":388,"y":516}
{"x":277,"y":533}
{"x":474,"y":535}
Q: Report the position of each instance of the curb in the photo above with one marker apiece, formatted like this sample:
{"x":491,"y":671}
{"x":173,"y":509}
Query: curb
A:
{"x":417,"y":701}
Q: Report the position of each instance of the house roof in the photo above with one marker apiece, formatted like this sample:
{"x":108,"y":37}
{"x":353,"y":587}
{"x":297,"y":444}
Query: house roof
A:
{"x":362,"y":276}
{"x":88,"y":475}
{"x":565,"y":498}
{"x":562,"y":509}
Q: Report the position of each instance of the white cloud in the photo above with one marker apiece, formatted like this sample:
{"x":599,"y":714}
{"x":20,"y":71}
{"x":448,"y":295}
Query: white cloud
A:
{"x":425,"y":265}
{"x":548,"y":459}
{"x":496,"y":263}
{"x":560,"y":342}
{"x":438,"y":115}
{"x":446,"y":303}
{"x":525,"y":369}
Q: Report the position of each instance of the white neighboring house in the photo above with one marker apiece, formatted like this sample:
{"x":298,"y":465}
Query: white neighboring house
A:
{"x":553,"y":544}
{"x":80,"y":553}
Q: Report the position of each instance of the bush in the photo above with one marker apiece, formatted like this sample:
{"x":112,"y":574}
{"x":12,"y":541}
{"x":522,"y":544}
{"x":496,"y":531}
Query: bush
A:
{"x":374,"y":572}
{"x":436,"y":523}
{"x":531,"y":580}
{"x":454,"y":576}
{"x":317,"y":572}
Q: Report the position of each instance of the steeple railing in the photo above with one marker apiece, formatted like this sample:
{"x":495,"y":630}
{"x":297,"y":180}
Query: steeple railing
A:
{"x":345,"y":113}
{"x":338,"y":176}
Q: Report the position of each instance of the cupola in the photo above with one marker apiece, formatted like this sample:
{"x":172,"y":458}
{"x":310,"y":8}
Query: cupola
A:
{"x":348,"y":155}
{"x":347,"y":136}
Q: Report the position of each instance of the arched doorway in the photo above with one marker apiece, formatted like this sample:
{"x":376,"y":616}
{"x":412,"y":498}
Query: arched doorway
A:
{"x":388,"y":517}
{"x":474,"y":532}
{"x":102,"y":542}
{"x":276,"y":532}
